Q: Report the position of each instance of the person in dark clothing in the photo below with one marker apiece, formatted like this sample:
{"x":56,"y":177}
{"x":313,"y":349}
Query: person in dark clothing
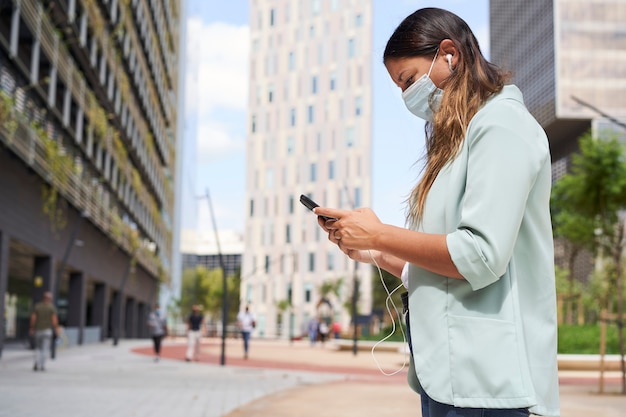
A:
{"x":195,"y":326}
{"x":158,"y":329}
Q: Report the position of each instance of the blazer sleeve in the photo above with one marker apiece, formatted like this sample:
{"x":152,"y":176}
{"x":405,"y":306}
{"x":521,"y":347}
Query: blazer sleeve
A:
{"x":506,"y":149}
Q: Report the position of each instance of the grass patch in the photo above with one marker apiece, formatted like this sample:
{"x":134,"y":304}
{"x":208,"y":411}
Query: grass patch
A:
{"x":586,"y":339}
{"x":573,"y":339}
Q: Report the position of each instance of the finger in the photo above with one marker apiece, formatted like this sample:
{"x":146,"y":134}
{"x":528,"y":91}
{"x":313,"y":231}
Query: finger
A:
{"x":330,"y":212}
{"x":330,"y":224}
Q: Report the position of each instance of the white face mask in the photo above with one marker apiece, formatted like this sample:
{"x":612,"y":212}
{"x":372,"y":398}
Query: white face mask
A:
{"x":423,"y":97}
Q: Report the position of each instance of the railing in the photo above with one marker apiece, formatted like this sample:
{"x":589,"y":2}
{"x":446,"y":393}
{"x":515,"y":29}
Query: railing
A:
{"x":32,"y":14}
{"x":30,"y":147}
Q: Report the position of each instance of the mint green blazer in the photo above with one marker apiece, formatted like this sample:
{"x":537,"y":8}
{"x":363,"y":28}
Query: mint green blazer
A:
{"x":489,"y":341}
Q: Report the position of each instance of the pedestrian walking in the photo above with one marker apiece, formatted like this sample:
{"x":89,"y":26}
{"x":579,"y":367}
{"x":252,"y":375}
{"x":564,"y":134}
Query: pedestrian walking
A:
{"x":43,"y":325}
{"x":158,"y":330}
{"x":246,"y":322}
{"x":195,"y":329}
{"x":313,"y":330}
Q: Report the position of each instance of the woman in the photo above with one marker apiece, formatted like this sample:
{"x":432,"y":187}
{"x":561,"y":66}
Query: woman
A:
{"x":477,"y":255}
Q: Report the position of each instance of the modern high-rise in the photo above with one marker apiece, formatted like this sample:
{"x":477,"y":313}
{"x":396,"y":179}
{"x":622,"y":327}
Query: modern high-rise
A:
{"x":309,"y":132}
{"x":569,"y":59}
{"x":88,"y":98}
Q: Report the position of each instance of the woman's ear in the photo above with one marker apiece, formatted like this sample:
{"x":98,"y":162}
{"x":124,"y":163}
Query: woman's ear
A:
{"x":449,"y":52}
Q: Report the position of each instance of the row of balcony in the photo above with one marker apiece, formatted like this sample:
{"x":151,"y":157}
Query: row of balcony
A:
{"x":105,"y":59}
{"x":36,"y":150}
{"x":76,"y":88}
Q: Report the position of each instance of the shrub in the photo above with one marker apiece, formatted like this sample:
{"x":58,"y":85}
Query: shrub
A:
{"x":585,"y":339}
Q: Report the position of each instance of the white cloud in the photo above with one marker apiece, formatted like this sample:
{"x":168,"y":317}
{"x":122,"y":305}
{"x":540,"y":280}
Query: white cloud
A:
{"x":217,"y":66}
{"x":216,"y":139}
{"x":216,"y":84}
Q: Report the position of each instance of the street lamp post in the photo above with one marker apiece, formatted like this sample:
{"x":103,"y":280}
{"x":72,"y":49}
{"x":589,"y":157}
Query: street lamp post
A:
{"x":224,"y":292}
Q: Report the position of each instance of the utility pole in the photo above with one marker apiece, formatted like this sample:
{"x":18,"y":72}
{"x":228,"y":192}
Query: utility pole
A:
{"x":355,"y":290}
{"x":224,"y":294}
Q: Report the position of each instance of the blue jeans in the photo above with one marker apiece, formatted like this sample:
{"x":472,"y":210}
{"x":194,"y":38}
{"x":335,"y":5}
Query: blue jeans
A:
{"x":431,"y":408}
{"x":246,"y":341}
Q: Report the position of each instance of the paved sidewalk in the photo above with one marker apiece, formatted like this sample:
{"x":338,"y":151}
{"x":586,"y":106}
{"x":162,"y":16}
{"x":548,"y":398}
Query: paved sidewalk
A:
{"x":280,"y":379}
{"x":103,"y":381}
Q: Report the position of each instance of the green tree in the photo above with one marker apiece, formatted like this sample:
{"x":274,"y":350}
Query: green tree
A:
{"x":205,"y":287}
{"x":587,"y":204}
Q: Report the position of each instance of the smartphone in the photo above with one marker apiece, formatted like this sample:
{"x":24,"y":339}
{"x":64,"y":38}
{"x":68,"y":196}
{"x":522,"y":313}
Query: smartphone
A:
{"x":310,"y":204}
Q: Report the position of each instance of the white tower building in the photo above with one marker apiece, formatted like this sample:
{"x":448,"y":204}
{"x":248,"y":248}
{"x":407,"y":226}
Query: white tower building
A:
{"x":310,"y":108}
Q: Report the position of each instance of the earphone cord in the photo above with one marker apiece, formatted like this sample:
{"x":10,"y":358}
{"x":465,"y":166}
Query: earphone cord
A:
{"x":389,"y":300}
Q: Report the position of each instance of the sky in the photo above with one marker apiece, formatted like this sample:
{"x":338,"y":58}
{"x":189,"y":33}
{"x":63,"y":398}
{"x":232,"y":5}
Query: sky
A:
{"x":215,"y":116}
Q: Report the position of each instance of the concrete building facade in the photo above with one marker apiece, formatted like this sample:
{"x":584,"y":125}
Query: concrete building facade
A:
{"x":310,"y":108}
{"x":569,"y":59}
{"x":87,"y":161}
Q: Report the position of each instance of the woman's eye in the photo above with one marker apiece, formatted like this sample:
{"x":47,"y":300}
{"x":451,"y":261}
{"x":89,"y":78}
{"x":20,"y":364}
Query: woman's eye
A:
{"x":408,"y":82}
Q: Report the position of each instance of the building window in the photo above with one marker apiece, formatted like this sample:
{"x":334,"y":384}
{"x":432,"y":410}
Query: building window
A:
{"x":357,"y":197}
{"x":350,"y":137}
{"x":253,"y":124}
{"x":351,"y":48}
{"x":331,"y":170}
{"x":312,"y":262}
{"x":333,"y":81}
{"x":308,"y":293}
{"x":269,"y":178}
{"x":272,"y":17}
{"x":251,"y":208}
{"x":313,"y":172}
{"x":311,"y":113}
{"x":267,"y":264}
{"x":290,"y":145}
{"x":288,"y":233}
{"x":270,"y":93}
{"x":358,"y":21}
{"x":315,"y":7}
{"x":292,"y":61}
{"x":330,"y":261}
{"x":291,"y":204}
{"x":314,"y":84}
{"x":292,"y":117}
{"x":358,"y":105}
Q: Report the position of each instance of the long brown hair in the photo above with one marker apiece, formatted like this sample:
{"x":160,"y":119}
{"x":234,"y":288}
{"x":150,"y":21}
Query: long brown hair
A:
{"x":472,"y":82}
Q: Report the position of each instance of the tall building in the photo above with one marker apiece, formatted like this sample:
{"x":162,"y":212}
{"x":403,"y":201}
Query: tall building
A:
{"x":310,"y":108}
{"x":568,"y":58}
{"x":87,"y":161}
